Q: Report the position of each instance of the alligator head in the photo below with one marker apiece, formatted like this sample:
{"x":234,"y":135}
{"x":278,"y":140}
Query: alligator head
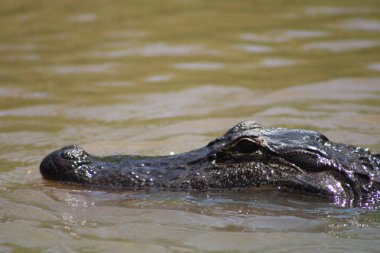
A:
{"x":247,"y":155}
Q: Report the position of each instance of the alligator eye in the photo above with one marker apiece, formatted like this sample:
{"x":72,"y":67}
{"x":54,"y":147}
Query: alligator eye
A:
{"x":244,"y":145}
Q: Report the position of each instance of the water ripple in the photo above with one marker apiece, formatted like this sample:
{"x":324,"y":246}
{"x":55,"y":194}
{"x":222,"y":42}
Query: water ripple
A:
{"x":362,"y":25}
{"x":159,"y":49}
{"x":250,"y":48}
{"x":342,"y":45}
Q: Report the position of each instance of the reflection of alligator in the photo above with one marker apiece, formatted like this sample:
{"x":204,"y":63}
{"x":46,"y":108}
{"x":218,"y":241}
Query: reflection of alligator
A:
{"x":247,"y":155}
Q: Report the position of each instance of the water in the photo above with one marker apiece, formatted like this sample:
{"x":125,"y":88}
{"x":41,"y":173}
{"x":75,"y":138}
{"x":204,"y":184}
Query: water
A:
{"x":154,"y":78}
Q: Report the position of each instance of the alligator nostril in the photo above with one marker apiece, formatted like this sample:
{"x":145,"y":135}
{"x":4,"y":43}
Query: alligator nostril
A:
{"x":73,"y":152}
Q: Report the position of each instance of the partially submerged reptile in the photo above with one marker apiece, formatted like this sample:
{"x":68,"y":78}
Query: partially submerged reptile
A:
{"x":247,"y":155}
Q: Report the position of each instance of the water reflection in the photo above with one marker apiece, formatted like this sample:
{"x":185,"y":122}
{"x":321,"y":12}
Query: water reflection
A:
{"x":84,"y":17}
{"x":158,"y":49}
{"x":199,"y":65}
{"x":276,"y":62}
{"x":342,"y":46}
{"x":99,"y":68}
{"x":158,"y":78}
{"x":254,"y":48}
{"x":10,"y":91}
{"x":283,"y":36}
{"x":338,"y":10}
{"x":374,"y":66}
{"x":362,"y":25}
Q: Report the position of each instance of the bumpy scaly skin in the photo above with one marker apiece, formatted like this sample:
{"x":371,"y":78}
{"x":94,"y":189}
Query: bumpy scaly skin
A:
{"x":247,"y":155}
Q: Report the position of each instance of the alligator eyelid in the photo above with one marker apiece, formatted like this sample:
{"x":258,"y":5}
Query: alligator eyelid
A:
{"x":253,"y":139}
{"x":239,"y":140}
{"x":319,"y":152}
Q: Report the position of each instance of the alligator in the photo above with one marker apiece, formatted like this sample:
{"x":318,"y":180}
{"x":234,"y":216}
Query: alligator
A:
{"x":248,"y":155}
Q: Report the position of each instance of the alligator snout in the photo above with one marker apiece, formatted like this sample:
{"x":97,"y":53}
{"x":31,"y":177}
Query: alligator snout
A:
{"x":63,"y":163}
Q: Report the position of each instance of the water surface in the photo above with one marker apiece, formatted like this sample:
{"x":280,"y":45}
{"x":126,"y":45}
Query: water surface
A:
{"x":155,"y":78}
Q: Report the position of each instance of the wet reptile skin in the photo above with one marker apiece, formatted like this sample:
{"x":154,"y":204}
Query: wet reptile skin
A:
{"x":247,"y":155}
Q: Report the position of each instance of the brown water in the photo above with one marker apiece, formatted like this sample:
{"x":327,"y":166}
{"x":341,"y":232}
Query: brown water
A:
{"x":156,"y":77}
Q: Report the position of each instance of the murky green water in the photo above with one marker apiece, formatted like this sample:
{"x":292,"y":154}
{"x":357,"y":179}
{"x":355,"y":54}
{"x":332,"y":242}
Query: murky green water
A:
{"x":154,"y":77}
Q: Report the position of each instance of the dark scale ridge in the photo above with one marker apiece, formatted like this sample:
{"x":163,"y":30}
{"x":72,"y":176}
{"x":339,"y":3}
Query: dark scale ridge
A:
{"x":247,"y":155}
